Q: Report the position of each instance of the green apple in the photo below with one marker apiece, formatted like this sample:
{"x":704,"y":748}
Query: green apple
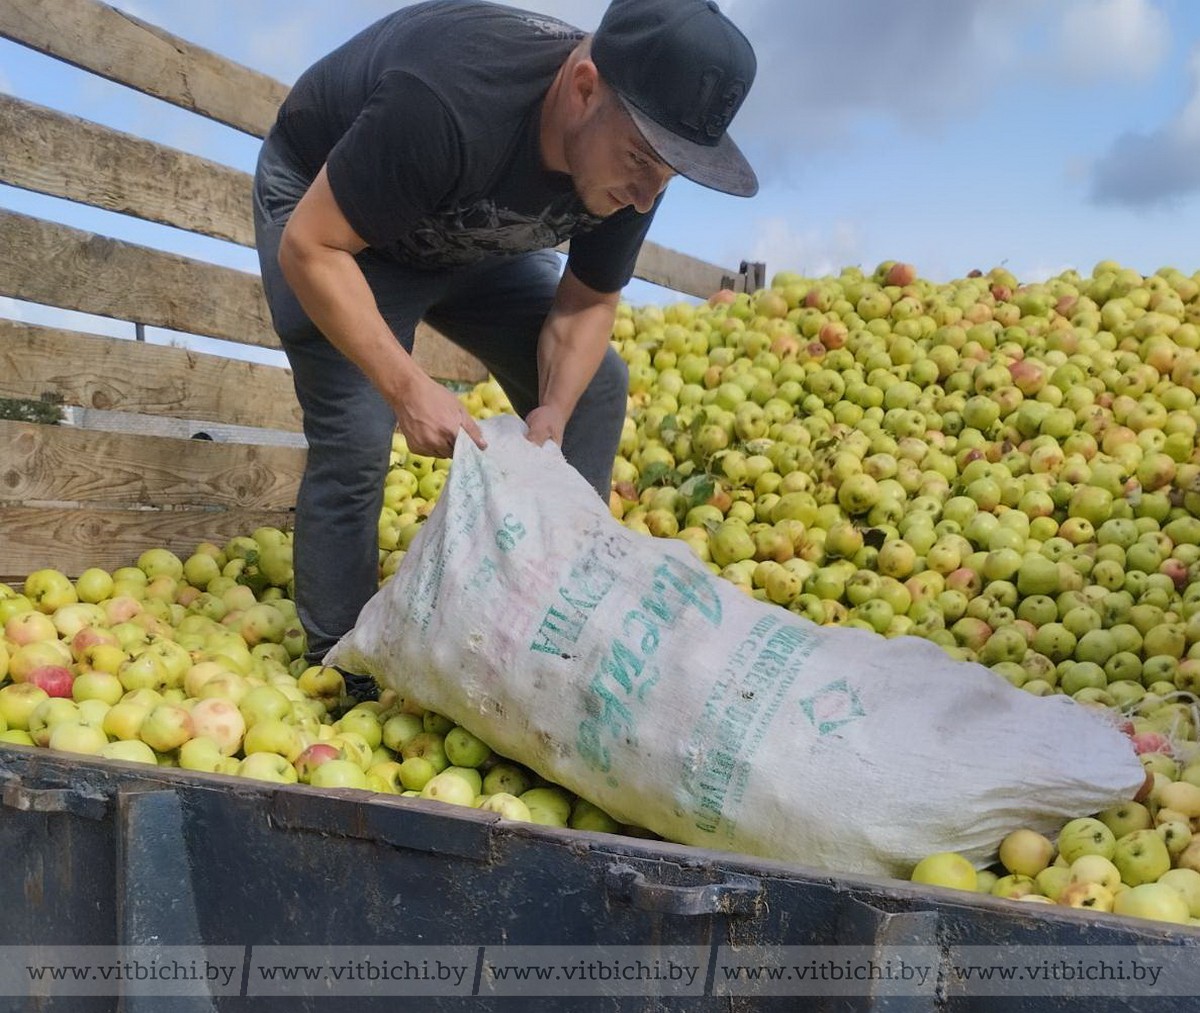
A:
{"x":399,"y":729}
{"x":549,"y":805}
{"x":1013,"y":886}
{"x":131,"y":751}
{"x":465,"y":750}
{"x":272,"y":735}
{"x":267,"y":767}
{"x":322,"y":683}
{"x":95,"y":685}
{"x":947,"y":869}
{"x":450,"y":788}
{"x":94,"y":585}
{"x":1052,"y":880}
{"x":508,"y":806}
{"x":1176,"y":835}
{"x":429,"y":745}
{"x":1156,"y":901}
{"x":166,"y":727}
{"x":124,"y":720}
{"x":339,"y":774}
{"x":506,"y":778}
{"x":468,"y":774}
{"x":16,"y":737}
{"x":384,"y":776}
{"x":586,"y":816}
{"x":1186,"y":882}
{"x":17,"y":702}
{"x":264,"y":703}
{"x":1125,"y":818}
{"x":354,"y":747}
{"x":200,"y":753}
{"x":1182,"y":796}
{"x":76,"y":737}
{"x":416,"y":772}
{"x":364,"y":722}
{"x":1141,"y":856}
{"x":985,"y":879}
{"x":1025,"y":852}
{"x":1085,"y":836}
{"x":1094,"y":869}
{"x":1087,"y":896}
{"x":49,"y":713}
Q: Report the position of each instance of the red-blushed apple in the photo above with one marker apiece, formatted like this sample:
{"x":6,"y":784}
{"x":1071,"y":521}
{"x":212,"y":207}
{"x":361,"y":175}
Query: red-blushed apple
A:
{"x":166,"y":727}
{"x":56,"y":680}
{"x":70,"y":619}
{"x":314,"y":756}
{"x":76,"y":737}
{"x":17,"y":702}
{"x":121,"y":609}
{"x":41,"y":652}
{"x":28,"y":627}
{"x":91,"y":636}
{"x":221,"y":721}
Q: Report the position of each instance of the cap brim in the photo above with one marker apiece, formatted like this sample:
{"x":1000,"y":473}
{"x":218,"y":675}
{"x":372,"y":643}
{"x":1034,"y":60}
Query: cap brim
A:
{"x":720,"y":167}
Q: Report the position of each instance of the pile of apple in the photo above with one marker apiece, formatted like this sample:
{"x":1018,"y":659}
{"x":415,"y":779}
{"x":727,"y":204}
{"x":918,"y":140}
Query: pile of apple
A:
{"x":1010,"y":471}
{"x":199,"y":664}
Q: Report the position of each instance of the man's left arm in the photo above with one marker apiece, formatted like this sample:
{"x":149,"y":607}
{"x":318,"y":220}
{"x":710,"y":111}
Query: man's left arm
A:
{"x":573,"y":340}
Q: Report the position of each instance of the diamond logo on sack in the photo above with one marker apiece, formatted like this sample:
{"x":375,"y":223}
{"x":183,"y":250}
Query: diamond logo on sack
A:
{"x":832,"y":707}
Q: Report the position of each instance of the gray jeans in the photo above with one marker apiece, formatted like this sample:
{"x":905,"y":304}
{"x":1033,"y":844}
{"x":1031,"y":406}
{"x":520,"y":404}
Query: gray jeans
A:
{"x":493,"y":309}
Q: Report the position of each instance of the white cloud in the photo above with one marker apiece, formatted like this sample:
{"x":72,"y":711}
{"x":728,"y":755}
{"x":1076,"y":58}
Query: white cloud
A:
{"x":812,"y":252}
{"x":1100,"y":39}
{"x":1157,"y":167}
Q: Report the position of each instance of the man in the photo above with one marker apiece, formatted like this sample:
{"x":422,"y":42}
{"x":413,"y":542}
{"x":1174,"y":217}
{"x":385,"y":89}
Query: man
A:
{"x":426,"y":169}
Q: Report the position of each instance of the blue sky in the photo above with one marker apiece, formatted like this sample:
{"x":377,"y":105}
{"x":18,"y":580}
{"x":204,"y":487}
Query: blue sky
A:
{"x":955,"y":134}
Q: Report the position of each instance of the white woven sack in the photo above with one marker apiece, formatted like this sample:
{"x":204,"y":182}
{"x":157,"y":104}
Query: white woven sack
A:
{"x":620,"y":667}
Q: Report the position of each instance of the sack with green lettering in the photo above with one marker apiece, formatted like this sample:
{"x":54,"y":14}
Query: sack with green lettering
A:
{"x":620,"y":667}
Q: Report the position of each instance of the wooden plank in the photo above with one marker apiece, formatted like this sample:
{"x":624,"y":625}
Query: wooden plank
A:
{"x":678,"y":271}
{"x":65,"y":156}
{"x":62,"y":463}
{"x":72,"y":540}
{"x":122,"y":48}
{"x":66,"y":267}
{"x":89,"y":371}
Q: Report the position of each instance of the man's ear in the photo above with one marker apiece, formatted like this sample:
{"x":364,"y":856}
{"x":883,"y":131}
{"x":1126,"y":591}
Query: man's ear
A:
{"x":587,"y":89}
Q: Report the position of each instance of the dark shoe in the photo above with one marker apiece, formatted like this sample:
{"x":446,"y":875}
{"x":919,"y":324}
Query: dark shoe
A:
{"x":359,"y":689}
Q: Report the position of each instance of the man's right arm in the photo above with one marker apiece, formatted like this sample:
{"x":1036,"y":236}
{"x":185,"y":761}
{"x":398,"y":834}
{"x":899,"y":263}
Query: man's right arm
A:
{"x":316,"y":255}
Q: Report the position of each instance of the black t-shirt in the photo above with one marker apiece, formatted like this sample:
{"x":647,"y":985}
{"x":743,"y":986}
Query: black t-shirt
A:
{"x":428,"y":121}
